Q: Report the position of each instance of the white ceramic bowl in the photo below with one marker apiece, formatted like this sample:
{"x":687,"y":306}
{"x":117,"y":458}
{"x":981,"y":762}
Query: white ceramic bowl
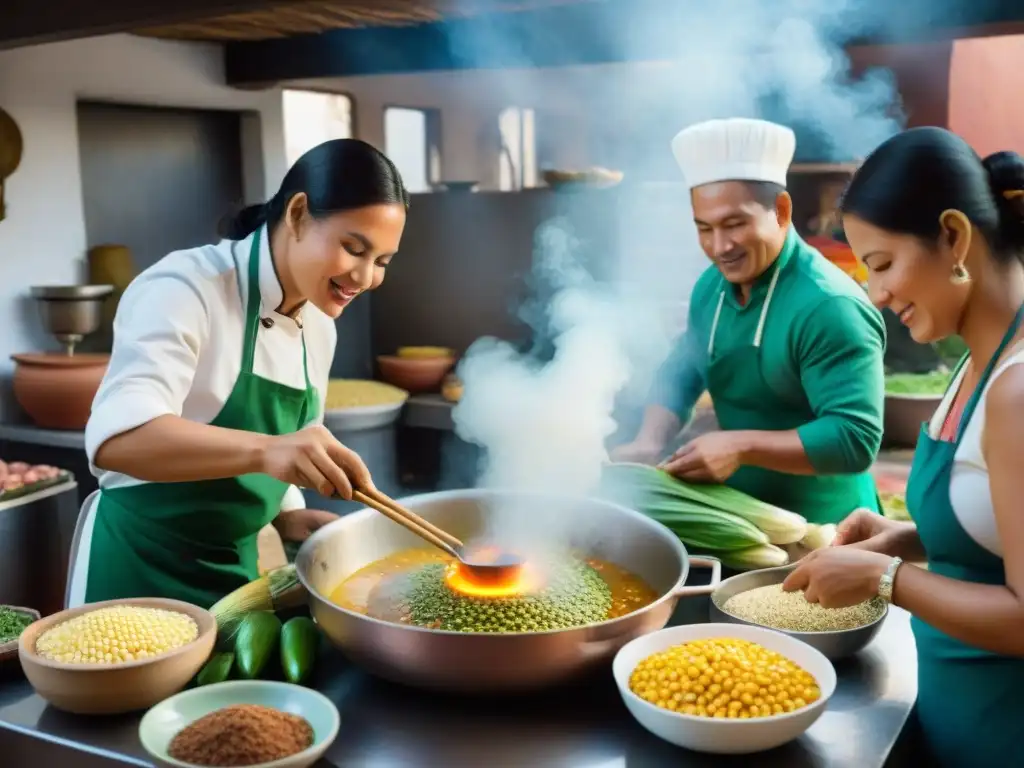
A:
{"x":161,"y":723}
{"x":704,"y":734}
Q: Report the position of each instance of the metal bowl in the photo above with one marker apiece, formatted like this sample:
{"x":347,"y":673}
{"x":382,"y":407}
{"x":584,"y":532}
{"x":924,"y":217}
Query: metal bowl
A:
{"x":75,"y":310}
{"x":491,"y":662}
{"x":363,"y":417}
{"x":835,"y":644}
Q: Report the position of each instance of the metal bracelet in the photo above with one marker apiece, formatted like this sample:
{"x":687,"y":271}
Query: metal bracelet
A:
{"x":885,"y":583}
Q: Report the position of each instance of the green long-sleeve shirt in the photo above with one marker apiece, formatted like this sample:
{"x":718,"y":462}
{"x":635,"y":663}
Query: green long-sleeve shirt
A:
{"x":821,"y":352}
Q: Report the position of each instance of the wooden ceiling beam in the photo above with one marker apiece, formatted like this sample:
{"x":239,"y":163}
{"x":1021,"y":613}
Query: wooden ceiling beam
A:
{"x":577,"y":33}
{"x":30,"y":22}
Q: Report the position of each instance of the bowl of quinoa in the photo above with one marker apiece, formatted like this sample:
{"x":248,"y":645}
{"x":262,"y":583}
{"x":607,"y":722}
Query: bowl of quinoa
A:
{"x":757,"y":598}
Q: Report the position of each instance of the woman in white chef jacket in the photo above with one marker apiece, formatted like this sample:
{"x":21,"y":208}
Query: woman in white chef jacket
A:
{"x":207,"y":422}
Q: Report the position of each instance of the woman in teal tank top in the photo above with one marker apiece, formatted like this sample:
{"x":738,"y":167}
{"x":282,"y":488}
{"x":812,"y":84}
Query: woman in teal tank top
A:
{"x":941,"y":232}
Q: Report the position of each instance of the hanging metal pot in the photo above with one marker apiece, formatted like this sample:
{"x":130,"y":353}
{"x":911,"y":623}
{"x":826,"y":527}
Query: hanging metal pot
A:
{"x":11,"y":147}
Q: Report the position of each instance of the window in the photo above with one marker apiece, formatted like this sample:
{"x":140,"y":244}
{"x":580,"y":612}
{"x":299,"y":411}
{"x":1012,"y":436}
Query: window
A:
{"x":412,"y":141}
{"x":517,"y":163}
{"x":313,"y":117}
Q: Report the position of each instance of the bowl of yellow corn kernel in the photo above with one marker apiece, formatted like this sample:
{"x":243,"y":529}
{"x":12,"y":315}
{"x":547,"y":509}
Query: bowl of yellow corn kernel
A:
{"x":724,"y":688}
{"x":116,"y":656}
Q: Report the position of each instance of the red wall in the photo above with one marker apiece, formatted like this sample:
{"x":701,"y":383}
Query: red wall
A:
{"x":971,"y":86}
{"x":986,"y":93}
{"x":922,"y":76}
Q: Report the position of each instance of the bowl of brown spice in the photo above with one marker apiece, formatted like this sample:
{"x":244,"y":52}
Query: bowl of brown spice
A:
{"x":251,"y":723}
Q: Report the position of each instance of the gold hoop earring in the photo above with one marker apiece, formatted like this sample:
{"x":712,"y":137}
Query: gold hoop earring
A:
{"x":960,"y":275}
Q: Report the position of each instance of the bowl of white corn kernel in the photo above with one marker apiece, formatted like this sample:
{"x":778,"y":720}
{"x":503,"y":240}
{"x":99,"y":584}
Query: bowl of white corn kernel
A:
{"x":116,"y":656}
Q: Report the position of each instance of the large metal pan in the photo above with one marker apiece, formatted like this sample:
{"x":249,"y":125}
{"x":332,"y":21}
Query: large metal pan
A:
{"x":835,"y":645}
{"x":483,"y":662}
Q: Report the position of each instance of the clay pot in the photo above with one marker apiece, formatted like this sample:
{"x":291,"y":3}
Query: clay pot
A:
{"x":57,"y":390}
{"x":415,"y":375}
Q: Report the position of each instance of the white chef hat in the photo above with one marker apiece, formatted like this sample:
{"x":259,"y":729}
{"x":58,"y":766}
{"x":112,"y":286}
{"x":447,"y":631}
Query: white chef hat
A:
{"x":735,"y":149}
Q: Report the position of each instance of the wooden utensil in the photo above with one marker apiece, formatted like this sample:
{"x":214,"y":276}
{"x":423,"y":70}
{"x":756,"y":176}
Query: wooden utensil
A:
{"x":502,"y":566}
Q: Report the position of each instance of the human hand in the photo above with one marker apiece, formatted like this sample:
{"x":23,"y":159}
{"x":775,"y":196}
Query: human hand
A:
{"x":867,"y":530}
{"x":313,"y":458}
{"x":838,"y":577}
{"x":638,"y":452}
{"x":710,"y":458}
{"x":299,"y":524}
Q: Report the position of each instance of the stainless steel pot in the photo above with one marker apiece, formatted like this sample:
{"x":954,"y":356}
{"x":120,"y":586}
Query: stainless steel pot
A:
{"x":483,"y":662}
{"x":835,"y":645}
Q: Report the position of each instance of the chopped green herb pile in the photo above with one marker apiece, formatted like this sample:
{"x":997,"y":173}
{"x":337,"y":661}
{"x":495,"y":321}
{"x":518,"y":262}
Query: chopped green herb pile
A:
{"x":12,"y":624}
{"x":933,"y":383}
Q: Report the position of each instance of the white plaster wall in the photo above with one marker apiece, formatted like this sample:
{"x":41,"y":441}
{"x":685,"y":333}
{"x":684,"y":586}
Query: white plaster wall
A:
{"x":43,"y":239}
{"x":470,"y":103}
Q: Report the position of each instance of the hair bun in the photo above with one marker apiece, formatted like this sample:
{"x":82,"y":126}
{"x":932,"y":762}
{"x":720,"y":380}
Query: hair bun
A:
{"x":1006,"y":177}
{"x":1005,"y":172}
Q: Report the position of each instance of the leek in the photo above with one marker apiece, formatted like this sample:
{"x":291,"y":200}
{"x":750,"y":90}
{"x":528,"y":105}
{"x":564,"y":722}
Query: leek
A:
{"x":761,"y":556}
{"x":657,"y":488}
{"x":704,"y":528}
{"x":818,"y":536}
{"x":275,"y":590}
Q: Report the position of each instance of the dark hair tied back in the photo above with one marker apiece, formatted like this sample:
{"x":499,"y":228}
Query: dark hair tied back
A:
{"x":246,"y":221}
{"x":338,"y":175}
{"x":1006,"y":175}
{"x":906,"y":184}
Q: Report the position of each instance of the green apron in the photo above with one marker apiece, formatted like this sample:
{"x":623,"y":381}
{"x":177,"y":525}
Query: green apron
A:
{"x":968,"y":700}
{"x":743,"y":399}
{"x":196,"y":541}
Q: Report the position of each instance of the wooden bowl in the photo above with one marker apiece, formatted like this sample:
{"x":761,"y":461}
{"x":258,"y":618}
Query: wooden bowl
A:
{"x":85,"y":689}
{"x":415,"y":375}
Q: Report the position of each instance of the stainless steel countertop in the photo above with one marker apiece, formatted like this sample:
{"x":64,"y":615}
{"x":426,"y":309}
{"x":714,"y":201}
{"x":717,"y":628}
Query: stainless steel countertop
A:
{"x":385,"y":725}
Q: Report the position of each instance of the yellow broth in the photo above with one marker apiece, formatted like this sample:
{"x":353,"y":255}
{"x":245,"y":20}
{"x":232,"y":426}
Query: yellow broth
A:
{"x":629,"y":592}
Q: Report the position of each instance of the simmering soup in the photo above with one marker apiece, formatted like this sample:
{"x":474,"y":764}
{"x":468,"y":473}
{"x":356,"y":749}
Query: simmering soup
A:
{"x":424,"y":587}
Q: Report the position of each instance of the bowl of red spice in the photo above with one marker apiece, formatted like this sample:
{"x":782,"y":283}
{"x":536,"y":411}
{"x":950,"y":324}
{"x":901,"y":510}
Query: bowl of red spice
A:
{"x":251,"y":723}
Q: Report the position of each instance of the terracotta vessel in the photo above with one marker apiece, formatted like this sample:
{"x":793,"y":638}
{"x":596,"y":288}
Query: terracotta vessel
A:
{"x":86,"y":689}
{"x":57,"y":390}
{"x":415,"y":375}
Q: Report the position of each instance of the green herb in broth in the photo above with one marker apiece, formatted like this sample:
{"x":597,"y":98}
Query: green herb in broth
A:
{"x":934,"y":383}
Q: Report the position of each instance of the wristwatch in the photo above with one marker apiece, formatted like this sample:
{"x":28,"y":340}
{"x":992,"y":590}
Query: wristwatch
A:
{"x":888,"y":578}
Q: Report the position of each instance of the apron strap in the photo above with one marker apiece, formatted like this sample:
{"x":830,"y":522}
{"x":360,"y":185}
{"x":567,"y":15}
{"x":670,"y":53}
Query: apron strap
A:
{"x":714,"y":323}
{"x":252,"y":314}
{"x":305,"y":365}
{"x":252,"y":306}
{"x":764,"y":311}
{"x":986,"y":374}
{"x":760,"y":321}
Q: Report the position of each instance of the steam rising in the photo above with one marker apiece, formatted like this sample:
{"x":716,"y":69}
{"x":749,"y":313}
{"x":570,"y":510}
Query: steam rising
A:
{"x":544,"y":423}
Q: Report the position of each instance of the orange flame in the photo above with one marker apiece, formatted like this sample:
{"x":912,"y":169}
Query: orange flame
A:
{"x":520,"y":581}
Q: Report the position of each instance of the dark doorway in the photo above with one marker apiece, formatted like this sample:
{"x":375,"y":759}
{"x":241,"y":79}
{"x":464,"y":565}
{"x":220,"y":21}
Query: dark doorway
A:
{"x":156,"y":180}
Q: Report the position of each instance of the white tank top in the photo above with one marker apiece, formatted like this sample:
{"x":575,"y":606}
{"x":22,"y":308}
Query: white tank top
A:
{"x":969,"y":491}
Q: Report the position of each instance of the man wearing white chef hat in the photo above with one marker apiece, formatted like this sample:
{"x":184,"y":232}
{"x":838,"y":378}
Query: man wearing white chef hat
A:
{"x":787,"y":346}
